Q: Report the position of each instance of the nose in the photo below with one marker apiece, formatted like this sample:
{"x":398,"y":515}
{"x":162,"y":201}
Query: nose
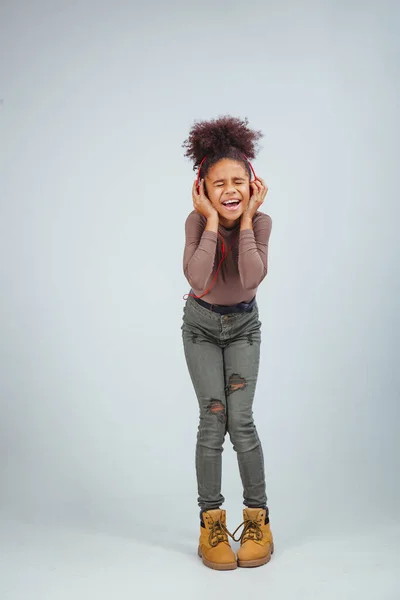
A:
{"x":229,"y":188}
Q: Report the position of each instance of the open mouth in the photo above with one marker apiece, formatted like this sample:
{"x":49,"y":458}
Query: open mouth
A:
{"x":231,"y":204}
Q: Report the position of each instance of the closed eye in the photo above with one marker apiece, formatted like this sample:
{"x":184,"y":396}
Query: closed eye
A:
{"x":237,"y":181}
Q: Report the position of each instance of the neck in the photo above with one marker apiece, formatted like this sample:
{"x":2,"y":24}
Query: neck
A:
{"x":228,"y":223}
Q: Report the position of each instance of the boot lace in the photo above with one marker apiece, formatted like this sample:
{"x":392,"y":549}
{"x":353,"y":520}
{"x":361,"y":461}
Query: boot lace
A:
{"x":251,"y":531}
{"x":218,"y":533}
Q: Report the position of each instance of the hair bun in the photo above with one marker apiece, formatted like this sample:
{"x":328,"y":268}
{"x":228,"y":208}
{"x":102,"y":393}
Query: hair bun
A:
{"x":219,"y":136}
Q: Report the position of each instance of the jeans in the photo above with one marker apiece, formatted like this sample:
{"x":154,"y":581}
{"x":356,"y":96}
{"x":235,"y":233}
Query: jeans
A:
{"x":222,"y":354}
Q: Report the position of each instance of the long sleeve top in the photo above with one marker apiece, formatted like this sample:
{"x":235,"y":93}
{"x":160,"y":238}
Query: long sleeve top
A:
{"x":242,"y":270}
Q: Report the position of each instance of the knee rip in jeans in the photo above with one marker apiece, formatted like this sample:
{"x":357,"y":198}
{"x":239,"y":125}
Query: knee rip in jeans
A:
{"x":236,"y":382}
{"x":217,"y":408}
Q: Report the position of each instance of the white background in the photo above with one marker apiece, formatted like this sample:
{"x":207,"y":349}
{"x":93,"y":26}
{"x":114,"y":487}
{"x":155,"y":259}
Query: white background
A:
{"x":98,"y":416}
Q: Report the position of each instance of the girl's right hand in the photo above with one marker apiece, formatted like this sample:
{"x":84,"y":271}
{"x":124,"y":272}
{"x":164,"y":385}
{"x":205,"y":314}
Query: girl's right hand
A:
{"x":201,"y":203}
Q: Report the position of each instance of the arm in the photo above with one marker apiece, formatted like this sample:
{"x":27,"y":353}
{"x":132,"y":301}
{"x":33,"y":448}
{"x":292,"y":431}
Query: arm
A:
{"x":253,"y":249}
{"x":200,"y":246}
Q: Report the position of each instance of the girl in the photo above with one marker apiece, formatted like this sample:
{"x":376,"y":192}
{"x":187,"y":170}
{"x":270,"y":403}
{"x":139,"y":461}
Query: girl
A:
{"x":225,"y":259}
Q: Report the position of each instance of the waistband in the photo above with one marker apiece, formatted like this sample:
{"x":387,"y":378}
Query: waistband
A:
{"x":225,"y":310}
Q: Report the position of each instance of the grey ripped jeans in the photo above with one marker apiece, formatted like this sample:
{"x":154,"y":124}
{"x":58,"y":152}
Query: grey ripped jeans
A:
{"x":222,"y":354}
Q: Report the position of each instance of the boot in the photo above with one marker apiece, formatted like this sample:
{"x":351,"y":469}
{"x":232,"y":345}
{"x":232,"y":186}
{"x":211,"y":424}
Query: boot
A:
{"x":214,"y":548}
{"x":256,"y":541}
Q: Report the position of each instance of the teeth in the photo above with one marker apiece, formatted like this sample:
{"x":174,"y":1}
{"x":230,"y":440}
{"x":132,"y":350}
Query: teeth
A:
{"x":230,"y":202}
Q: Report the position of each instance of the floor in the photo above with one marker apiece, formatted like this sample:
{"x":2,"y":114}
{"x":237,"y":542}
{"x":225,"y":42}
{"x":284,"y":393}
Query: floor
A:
{"x":43,"y":562}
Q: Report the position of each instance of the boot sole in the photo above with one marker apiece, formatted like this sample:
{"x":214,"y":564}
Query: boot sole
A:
{"x":217,"y":566}
{"x":258,"y":562}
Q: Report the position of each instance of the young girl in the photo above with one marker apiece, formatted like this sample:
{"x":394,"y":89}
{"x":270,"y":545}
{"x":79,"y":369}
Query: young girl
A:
{"x":225,"y":260}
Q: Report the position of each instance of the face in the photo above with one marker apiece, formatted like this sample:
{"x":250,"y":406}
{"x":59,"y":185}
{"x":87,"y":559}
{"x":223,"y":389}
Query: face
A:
{"x":228,"y":189}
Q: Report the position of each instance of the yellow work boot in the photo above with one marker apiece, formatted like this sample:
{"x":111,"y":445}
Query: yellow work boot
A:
{"x":256,"y":541}
{"x":214,"y":548}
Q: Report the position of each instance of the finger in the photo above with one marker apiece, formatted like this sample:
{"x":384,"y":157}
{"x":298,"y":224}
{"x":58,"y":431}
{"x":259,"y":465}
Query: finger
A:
{"x":194,"y":189}
{"x":198,"y":190}
{"x":256,"y":187}
{"x":264,"y":185}
{"x":256,"y":190}
{"x":265,"y":189}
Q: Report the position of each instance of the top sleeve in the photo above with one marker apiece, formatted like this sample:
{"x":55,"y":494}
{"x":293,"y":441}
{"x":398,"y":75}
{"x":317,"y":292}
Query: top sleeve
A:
{"x":199,"y":253}
{"x":253,"y":251}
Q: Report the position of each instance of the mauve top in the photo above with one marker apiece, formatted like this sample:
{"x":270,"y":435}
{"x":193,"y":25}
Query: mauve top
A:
{"x":242,"y":270}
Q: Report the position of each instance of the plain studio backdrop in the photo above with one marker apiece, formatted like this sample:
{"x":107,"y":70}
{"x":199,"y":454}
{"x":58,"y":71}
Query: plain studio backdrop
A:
{"x":98,"y":415}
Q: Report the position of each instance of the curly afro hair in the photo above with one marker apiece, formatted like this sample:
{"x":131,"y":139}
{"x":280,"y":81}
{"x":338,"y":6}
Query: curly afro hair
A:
{"x":225,"y":137}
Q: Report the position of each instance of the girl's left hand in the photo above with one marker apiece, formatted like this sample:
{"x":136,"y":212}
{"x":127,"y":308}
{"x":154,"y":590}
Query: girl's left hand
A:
{"x":260,"y":190}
